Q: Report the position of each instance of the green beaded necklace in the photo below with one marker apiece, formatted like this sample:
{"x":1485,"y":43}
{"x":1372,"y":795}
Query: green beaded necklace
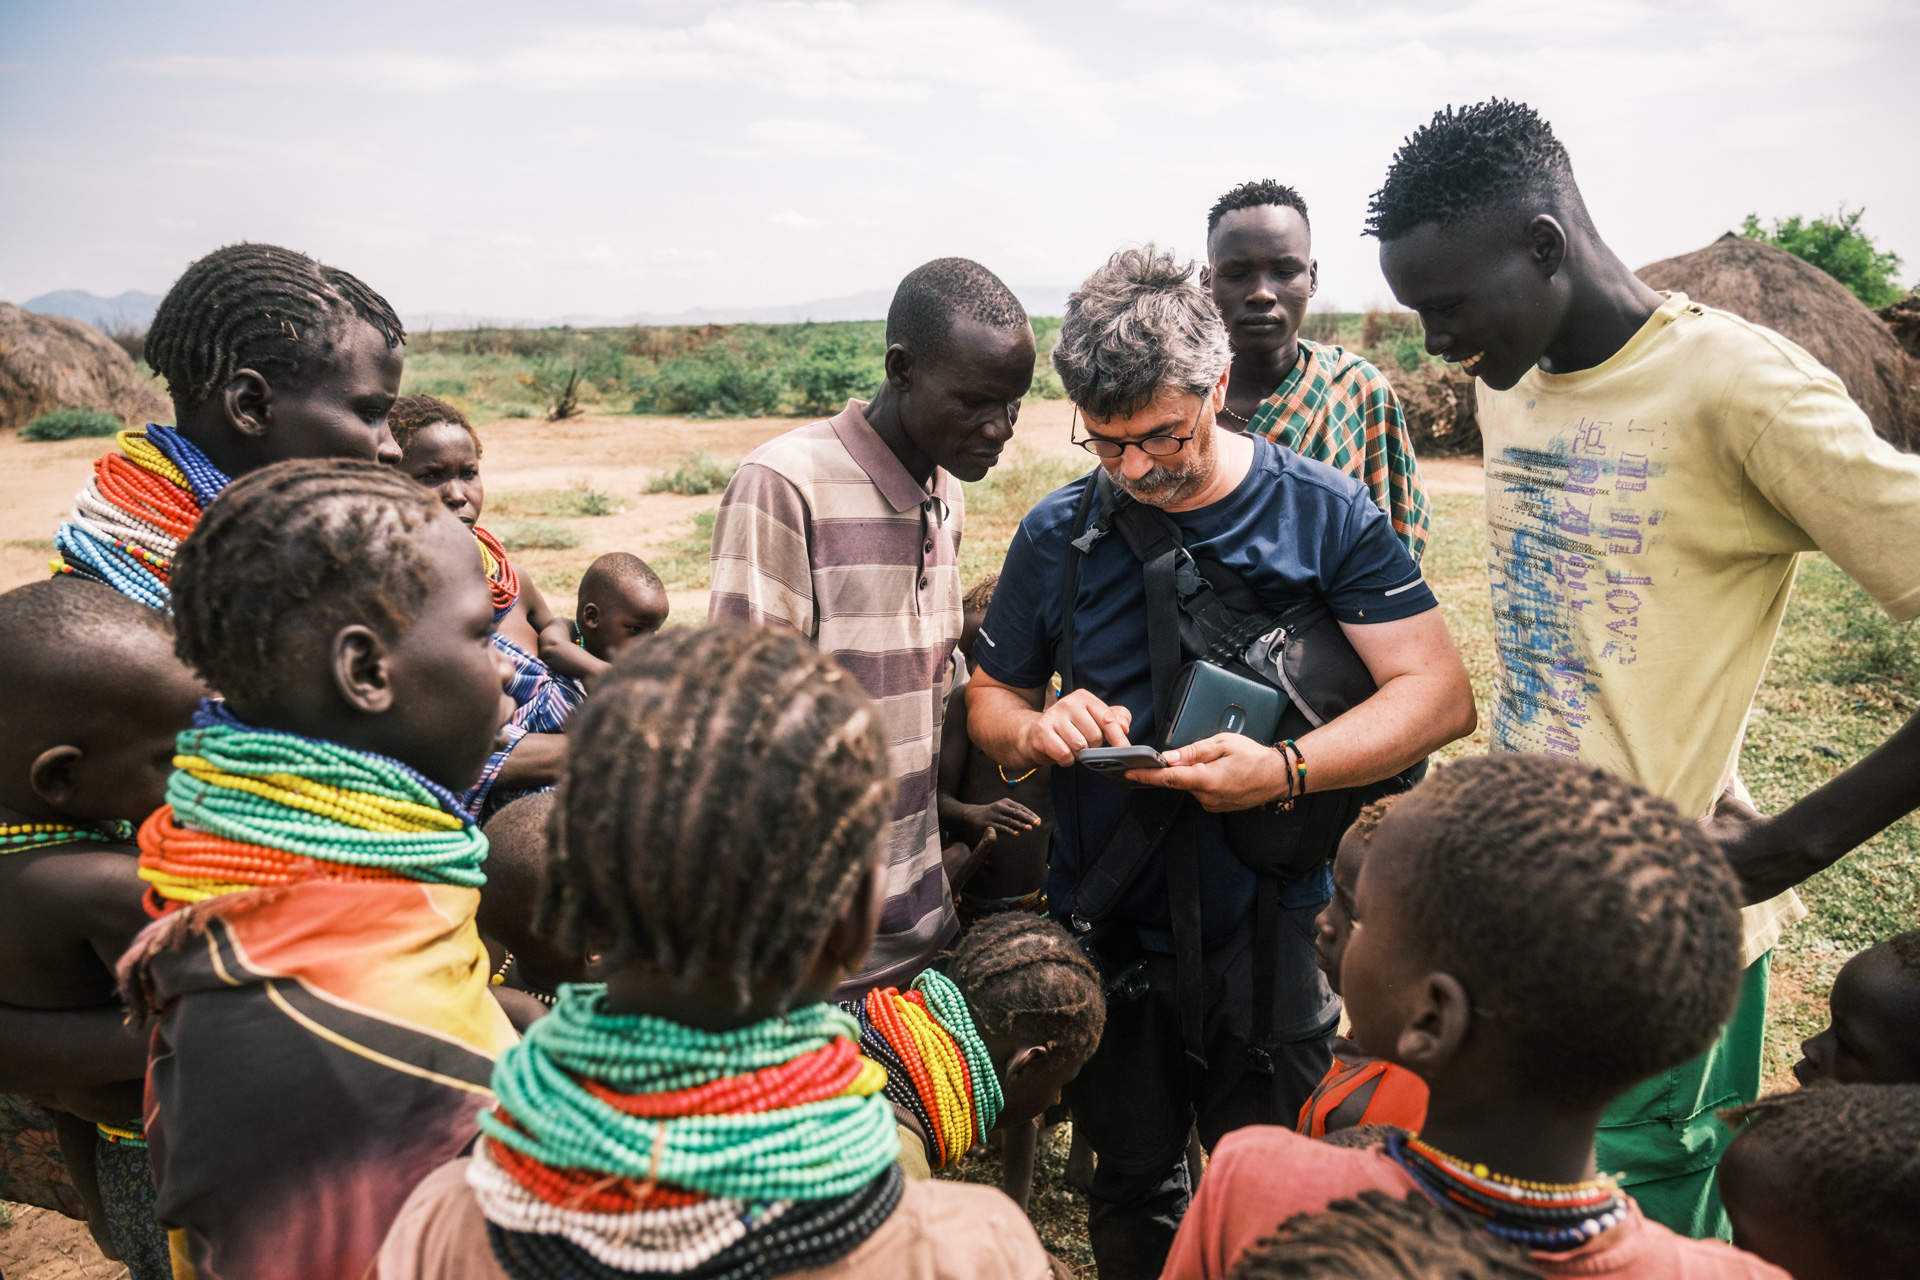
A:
{"x":20,"y":837}
{"x":949,"y":1009}
{"x":810,"y":1152}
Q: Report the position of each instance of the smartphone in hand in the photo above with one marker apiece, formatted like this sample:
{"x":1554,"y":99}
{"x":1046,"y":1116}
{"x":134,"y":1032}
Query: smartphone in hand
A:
{"x":1115,"y":761}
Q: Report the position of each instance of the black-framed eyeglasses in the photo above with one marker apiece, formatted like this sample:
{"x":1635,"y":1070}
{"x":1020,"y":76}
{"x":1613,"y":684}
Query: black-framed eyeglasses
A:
{"x":1152,"y":446}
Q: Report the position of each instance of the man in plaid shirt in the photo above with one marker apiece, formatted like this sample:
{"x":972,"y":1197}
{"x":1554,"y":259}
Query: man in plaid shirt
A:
{"x":1323,"y":402}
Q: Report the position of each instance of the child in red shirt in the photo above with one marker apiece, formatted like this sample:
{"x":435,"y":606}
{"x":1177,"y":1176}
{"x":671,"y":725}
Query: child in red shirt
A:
{"x":1531,"y":937}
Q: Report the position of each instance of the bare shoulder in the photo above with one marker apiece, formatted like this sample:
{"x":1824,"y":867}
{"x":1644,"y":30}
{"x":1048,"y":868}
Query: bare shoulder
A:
{"x":947,"y":1229}
{"x":440,"y":1233}
{"x":79,"y":890}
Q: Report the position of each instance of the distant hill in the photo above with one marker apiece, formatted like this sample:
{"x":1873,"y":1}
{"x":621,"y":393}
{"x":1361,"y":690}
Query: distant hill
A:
{"x":130,"y":310}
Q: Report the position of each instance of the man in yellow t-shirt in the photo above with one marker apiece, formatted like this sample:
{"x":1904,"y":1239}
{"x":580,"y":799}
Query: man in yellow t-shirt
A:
{"x":1654,"y":468}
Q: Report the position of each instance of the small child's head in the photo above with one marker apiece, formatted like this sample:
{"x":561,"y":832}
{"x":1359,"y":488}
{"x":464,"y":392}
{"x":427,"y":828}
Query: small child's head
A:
{"x":91,"y":697}
{"x":1873,"y":1028}
{"x":621,"y":599}
{"x":1376,"y":1237}
{"x":269,"y":355}
{"x":1541,"y":924}
{"x":717,"y":834}
{"x":1036,"y":1001}
{"x":974,"y":605}
{"x":341,"y":601}
{"x":1825,"y":1182}
{"x":1334,"y":925}
{"x":440,"y":449}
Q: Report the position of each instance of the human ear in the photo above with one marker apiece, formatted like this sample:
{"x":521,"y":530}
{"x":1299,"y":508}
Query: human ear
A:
{"x":247,"y":400}
{"x":1547,"y":243}
{"x":1313,"y":276}
{"x":1440,"y":1017}
{"x":852,"y":933}
{"x":52,"y":775}
{"x":1032,"y":1058}
{"x":362,"y":669}
{"x":899,"y":363}
{"x":1206,"y":276}
{"x":589,"y":615}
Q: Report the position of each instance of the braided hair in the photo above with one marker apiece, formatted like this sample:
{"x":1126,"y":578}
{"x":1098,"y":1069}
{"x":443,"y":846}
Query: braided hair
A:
{"x":288,"y":555}
{"x":1855,"y":1153}
{"x":726,"y":789}
{"x":1251,"y":195}
{"x":1465,"y":162}
{"x":1024,"y":976}
{"x":259,"y":307}
{"x":411,"y":415}
{"x":1596,"y":924}
{"x":1374,"y":1236}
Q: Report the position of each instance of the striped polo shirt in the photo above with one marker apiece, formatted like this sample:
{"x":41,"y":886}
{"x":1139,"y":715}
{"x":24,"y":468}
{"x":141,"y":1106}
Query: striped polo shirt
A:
{"x":823,"y":530}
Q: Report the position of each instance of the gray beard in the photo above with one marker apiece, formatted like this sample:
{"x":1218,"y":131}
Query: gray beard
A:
{"x":1163,"y":485}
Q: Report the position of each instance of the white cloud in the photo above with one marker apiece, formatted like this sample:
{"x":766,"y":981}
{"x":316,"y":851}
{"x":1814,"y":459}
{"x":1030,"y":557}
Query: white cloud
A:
{"x":794,"y":219}
{"x":815,"y":139}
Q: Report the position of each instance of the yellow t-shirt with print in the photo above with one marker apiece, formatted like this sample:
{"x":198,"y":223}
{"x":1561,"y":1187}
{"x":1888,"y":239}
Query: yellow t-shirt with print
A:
{"x":1645,"y":519}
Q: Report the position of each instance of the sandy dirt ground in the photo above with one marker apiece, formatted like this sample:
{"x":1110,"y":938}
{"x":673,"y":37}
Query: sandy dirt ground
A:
{"x":616,"y":455}
{"x":41,"y":1245}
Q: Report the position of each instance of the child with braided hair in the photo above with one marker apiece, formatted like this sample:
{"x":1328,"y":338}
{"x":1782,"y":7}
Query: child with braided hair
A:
{"x":986,"y":1046}
{"x":705,"y":1113}
{"x":1377,"y":1237}
{"x":267,"y":355}
{"x":1532,"y":937}
{"x":91,"y":697}
{"x":323,"y":1025}
{"x":440,"y":449}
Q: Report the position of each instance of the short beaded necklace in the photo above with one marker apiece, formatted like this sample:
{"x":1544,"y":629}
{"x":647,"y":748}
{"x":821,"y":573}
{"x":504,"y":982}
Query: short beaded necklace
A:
{"x":503,"y":580}
{"x":937,"y":1066}
{"x":1547,"y":1216}
{"x":22,"y":836}
{"x":133,"y":514}
{"x":631,"y":1144}
{"x":252,"y":807}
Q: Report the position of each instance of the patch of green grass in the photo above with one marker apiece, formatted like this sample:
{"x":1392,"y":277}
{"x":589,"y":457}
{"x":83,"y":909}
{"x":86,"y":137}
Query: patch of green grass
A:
{"x":71,"y":424}
{"x":682,"y":563}
{"x":699,"y":472}
{"x":560,"y":586}
{"x":552,"y":503}
{"x":996,"y":505}
{"x":535,"y":535}
{"x":33,"y":544}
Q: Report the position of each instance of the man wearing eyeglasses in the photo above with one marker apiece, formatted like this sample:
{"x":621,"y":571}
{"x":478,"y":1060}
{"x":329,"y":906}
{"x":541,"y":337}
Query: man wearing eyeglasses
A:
{"x":1144,"y":357}
{"x":848,"y":531}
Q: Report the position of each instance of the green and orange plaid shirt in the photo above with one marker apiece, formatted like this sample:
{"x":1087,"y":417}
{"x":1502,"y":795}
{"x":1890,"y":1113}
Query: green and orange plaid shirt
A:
{"x":1338,"y":409}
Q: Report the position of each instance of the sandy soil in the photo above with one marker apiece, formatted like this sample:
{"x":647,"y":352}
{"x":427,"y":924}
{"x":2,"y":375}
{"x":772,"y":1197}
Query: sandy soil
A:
{"x":616,"y":455}
{"x":40,"y":1245}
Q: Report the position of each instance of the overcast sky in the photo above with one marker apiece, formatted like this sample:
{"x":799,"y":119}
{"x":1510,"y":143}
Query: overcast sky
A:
{"x":593,"y":156}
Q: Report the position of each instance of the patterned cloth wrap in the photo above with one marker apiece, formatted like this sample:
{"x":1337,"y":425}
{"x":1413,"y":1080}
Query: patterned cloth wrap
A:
{"x":320,"y":987}
{"x":630,"y":1145}
{"x":1338,"y":409}
{"x":137,"y":508}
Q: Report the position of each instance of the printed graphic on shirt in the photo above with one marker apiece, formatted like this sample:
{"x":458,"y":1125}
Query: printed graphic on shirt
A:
{"x":1566,"y":528}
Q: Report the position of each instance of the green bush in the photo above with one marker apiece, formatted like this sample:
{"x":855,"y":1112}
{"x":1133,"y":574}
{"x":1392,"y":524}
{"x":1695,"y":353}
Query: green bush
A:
{"x":699,"y":472}
{"x":715,"y":382}
{"x":834,"y":370}
{"x":564,"y":503}
{"x":536,"y":535}
{"x":519,"y":411}
{"x":442,"y":387}
{"x":71,"y":424}
{"x":1839,"y":248}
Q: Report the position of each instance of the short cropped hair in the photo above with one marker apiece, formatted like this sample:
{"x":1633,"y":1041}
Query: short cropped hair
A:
{"x":934,"y":295}
{"x":1251,"y":195}
{"x":60,"y":630}
{"x":289,"y":554}
{"x":1136,"y":327}
{"x":1595,"y":923}
{"x":1856,"y":1150}
{"x":1377,"y":1237}
{"x":1368,"y":820}
{"x":259,"y":307}
{"x":617,"y":568}
{"x":1465,"y":162}
{"x":411,"y":415}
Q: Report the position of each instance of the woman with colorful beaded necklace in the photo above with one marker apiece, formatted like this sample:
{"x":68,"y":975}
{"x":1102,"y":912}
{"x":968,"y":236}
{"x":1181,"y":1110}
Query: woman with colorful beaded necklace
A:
{"x":703,"y":1113}
{"x":267,"y":355}
{"x":325,"y":1029}
{"x":440,"y":449}
{"x":93,"y":697}
{"x":1532,"y":937}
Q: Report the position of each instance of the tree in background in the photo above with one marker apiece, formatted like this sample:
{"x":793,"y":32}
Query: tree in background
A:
{"x":1838,"y":247}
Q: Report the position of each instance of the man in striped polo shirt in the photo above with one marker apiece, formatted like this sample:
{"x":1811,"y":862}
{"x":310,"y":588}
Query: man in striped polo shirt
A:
{"x":848,"y":531}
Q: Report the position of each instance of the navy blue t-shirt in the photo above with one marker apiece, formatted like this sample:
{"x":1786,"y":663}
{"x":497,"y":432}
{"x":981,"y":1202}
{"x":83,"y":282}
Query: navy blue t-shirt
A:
{"x":1294,"y":530}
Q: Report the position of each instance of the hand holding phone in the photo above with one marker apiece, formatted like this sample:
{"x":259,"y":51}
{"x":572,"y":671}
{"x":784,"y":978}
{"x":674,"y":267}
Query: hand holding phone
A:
{"x":1114,"y":762}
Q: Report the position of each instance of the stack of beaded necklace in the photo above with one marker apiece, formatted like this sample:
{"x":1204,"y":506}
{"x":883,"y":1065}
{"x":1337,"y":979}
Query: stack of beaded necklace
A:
{"x":503,"y":580}
{"x":252,"y":807}
{"x":629,"y":1145}
{"x":937,"y":1066}
{"x":1544,"y":1216}
{"x":130,"y":519}
{"x":21,"y":836}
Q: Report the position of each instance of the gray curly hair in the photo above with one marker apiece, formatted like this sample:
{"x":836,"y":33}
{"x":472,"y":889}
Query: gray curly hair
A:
{"x":1138,"y":326}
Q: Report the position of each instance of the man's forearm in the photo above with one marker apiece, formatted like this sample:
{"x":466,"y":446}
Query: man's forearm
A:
{"x":1409,"y":718}
{"x":996,"y":720}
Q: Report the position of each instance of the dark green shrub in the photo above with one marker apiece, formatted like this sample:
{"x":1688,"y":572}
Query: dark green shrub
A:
{"x":71,"y":424}
{"x":834,"y":370}
{"x":1839,"y":248}
{"x":535,"y":535}
{"x":715,"y":382}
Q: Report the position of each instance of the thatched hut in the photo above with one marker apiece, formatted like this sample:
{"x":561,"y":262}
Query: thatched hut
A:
{"x":1441,"y":415}
{"x":51,"y":362}
{"x":1903,"y":317}
{"x":1771,"y":287}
